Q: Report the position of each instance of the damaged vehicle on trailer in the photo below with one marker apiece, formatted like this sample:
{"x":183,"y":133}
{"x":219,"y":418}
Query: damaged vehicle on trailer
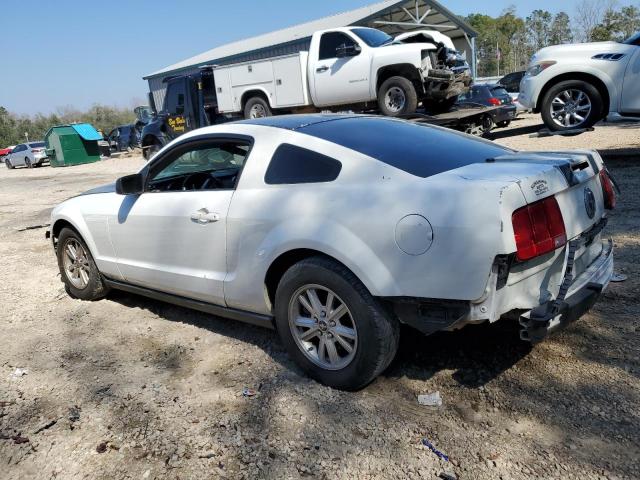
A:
{"x":336,"y":229}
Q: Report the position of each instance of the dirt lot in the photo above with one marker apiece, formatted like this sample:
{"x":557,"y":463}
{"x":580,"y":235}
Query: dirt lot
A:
{"x":133,"y":388}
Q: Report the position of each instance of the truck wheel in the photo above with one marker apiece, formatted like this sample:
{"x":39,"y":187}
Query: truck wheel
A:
{"x":334,"y":329}
{"x":78,"y":270}
{"x":150,"y":151}
{"x":257,"y":107}
{"x":397,"y":96}
{"x":571,"y":104}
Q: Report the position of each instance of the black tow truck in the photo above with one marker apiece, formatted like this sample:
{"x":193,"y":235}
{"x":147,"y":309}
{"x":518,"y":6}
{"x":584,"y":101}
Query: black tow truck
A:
{"x":190,"y":102}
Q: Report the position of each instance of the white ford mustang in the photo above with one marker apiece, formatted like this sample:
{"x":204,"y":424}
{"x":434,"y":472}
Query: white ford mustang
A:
{"x":334,"y":229}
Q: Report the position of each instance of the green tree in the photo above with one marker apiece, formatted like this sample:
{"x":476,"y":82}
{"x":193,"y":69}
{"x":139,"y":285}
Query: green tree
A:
{"x":617,"y":24}
{"x":560,"y":31}
{"x":539,"y":28}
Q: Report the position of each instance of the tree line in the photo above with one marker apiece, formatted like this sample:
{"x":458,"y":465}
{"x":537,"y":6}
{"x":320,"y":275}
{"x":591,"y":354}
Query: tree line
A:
{"x":506,"y":43}
{"x":16,"y":129}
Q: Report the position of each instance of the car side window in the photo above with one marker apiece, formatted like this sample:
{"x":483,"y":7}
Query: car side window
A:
{"x":203,"y":165}
{"x":291,"y":164}
{"x":330,"y":41}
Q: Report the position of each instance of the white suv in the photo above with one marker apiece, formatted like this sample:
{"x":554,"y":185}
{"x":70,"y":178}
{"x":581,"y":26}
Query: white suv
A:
{"x":575,"y":86}
{"x":28,"y":155}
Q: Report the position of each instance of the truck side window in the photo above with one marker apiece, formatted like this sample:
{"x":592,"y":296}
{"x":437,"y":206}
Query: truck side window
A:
{"x":291,"y":164}
{"x":332,"y":40}
{"x":176,"y":98}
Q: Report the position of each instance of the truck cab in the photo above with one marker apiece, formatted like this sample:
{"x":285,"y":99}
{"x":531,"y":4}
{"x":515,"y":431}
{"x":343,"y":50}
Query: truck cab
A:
{"x":189,"y":103}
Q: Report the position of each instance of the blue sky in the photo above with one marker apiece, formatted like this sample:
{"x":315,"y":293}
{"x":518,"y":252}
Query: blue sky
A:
{"x":71,"y":52}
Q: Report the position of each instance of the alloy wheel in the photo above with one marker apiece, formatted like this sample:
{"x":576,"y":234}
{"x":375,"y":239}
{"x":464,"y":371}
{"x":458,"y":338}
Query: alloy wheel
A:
{"x":257,"y":111}
{"x":323,"y":327}
{"x":395,"y":99}
{"x":570,"y":108}
{"x":76,"y":264}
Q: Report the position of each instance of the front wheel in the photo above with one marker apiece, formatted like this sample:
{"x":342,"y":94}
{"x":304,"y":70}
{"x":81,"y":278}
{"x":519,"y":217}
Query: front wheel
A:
{"x":570,"y":105}
{"x":257,"y":107}
{"x":28,"y":163}
{"x":332,"y":326}
{"x":503,"y":124}
{"x":397,"y":96}
{"x":78,"y":270}
{"x":8,"y":164}
{"x":150,"y":151}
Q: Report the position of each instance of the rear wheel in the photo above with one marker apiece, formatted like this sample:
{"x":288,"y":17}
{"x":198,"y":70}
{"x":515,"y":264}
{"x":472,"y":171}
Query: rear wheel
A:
{"x":570,"y":105}
{"x":78,"y":270}
{"x":8,"y":164}
{"x":27,"y":163}
{"x":257,"y":107}
{"x":503,"y":124}
{"x":332,"y":326}
{"x":397,"y":96}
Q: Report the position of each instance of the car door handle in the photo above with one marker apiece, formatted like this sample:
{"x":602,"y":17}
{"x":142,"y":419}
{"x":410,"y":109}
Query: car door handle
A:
{"x":321,"y":69}
{"x":204,"y":216}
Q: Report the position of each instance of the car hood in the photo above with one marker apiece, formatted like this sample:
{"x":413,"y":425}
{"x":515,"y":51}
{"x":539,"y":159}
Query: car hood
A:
{"x":578,"y":50}
{"x":109,"y":188}
{"x":427,"y":36}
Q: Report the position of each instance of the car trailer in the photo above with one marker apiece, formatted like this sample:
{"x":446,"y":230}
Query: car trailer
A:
{"x":472,"y":119}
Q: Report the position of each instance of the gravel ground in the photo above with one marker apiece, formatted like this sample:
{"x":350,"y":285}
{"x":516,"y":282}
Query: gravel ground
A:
{"x":132,"y":388}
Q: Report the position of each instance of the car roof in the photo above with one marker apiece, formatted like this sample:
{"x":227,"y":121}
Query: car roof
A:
{"x":298,"y":122}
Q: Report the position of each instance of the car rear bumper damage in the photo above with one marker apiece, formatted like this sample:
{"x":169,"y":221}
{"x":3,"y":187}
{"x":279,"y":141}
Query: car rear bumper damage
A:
{"x":575,"y":298}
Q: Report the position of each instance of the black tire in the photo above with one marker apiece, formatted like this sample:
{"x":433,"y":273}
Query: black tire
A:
{"x":27,"y":162}
{"x":8,"y":164}
{"x":378,"y":331}
{"x":259,"y":104}
{"x":150,"y":151}
{"x":401,"y":89}
{"x":594,"y":96}
{"x":504,"y":124}
{"x":95,"y":287}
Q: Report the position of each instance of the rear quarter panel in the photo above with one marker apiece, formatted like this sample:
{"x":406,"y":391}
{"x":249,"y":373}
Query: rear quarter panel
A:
{"x":354,"y":218}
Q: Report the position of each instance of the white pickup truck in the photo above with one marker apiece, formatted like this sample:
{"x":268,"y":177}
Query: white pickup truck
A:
{"x":348,"y":67}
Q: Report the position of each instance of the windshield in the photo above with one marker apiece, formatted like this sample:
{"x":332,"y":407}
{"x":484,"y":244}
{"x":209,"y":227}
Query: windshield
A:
{"x":36,"y":144}
{"x":633,"y":40}
{"x":372,"y":37}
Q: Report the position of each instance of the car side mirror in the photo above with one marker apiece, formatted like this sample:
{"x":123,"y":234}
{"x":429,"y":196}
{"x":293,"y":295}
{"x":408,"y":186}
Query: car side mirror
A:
{"x":347,"y":51}
{"x":130,"y":184}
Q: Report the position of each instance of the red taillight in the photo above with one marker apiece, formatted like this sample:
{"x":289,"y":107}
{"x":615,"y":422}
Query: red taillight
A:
{"x":608,"y":192}
{"x":538,"y":228}
{"x":495,"y":101}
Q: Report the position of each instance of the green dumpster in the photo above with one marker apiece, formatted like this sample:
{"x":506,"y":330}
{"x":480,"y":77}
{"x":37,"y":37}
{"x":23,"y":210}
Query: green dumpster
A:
{"x":72,"y":144}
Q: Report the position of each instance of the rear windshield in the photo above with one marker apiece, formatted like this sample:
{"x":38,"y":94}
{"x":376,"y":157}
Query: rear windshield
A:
{"x":420,"y":150}
{"x":499,"y":91}
{"x":36,"y":144}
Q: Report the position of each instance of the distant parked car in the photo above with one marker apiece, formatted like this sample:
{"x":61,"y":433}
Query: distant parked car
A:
{"x":123,"y":137}
{"x":28,"y":155}
{"x":511,"y":84}
{"x":4,"y":152}
{"x":491,"y":96}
